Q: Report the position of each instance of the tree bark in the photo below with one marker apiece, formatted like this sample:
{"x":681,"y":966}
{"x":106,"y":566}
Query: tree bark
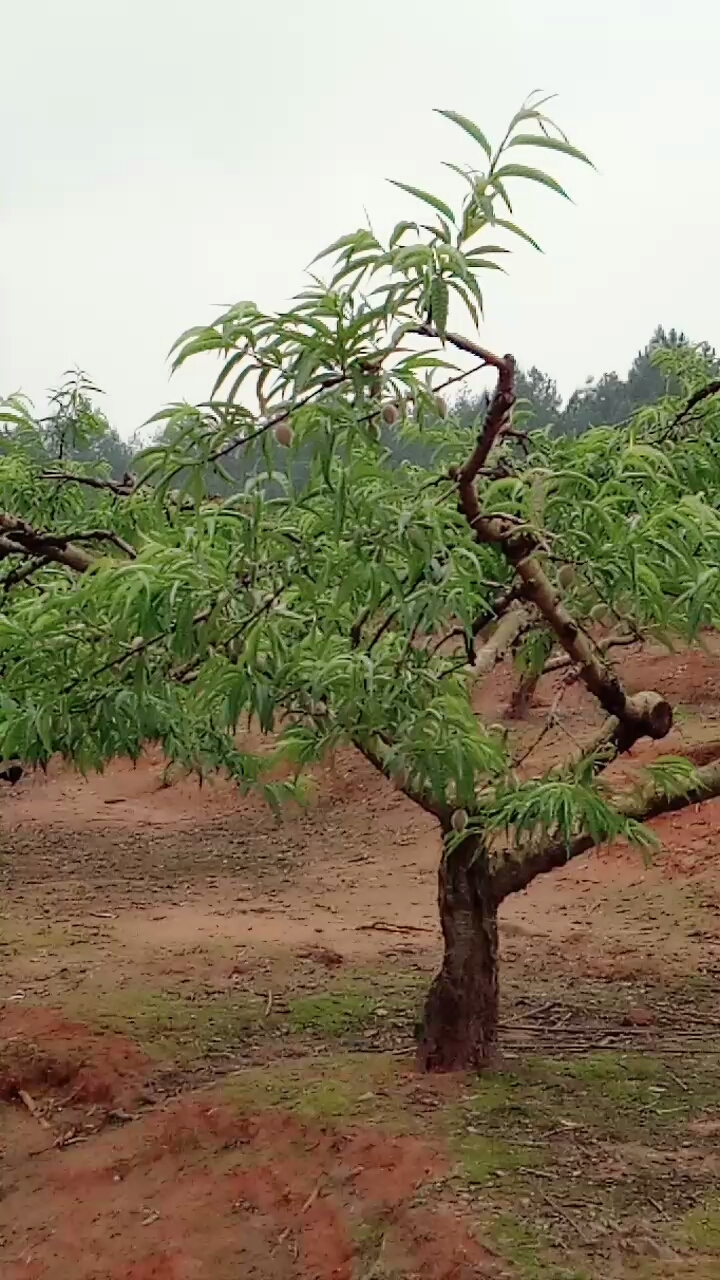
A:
{"x":459,"y":1028}
{"x":19,"y":538}
{"x":460,"y":1023}
{"x":522,"y":697}
{"x":503,"y":637}
{"x":523,"y":549}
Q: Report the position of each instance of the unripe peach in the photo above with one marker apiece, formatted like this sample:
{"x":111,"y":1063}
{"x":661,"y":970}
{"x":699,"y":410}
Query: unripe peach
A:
{"x":459,"y":821}
{"x":600,"y":613}
{"x":284,"y":434}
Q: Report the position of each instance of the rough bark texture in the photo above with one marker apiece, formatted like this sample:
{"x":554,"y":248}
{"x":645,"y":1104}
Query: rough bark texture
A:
{"x":522,"y":697}
{"x":459,"y":1030}
{"x":505,"y":634}
{"x":523,"y":549}
{"x":19,"y":538}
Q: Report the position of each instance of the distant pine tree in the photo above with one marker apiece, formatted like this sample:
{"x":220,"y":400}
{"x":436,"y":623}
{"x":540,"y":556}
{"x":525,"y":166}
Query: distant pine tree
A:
{"x":605,"y":401}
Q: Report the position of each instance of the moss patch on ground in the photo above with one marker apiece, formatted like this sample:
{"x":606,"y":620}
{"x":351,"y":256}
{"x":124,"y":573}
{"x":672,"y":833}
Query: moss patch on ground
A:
{"x":700,"y":1228}
{"x":610,"y":1094}
{"x":333,"y":1014}
{"x":361,"y":1087}
{"x":188,"y":1025}
{"x":180,"y":1029}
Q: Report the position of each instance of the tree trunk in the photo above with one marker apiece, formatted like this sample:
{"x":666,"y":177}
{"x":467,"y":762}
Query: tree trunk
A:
{"x":459,"y":1029}
{"x":522,"y":697}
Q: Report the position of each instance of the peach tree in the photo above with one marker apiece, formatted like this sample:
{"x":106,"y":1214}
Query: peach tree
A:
{"x":370,"y":563}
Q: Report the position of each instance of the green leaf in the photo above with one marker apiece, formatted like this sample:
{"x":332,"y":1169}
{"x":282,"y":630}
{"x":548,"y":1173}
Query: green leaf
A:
{"x":344,"y":242}
{"x":357,"y":266}
{"x":439,"y":301}
{"x":428,"y":198}
{"x":533,"y":175}
{"x":485,"y":248}
{"x":467,"y":174}
{"x":550,"y":144}
{"x":439,"y":233}
{"x":503,"y":194}
{"x":474,"y":130}
{"x":412,"y":255}
{"x":467,"y":300}
{"x":399,"y":231}
{"x":517,"y":231}
{"x":530,"y":110}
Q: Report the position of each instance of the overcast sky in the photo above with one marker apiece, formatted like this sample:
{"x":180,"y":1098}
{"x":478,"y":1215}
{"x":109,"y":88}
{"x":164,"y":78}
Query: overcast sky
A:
{"x":162,"y":158}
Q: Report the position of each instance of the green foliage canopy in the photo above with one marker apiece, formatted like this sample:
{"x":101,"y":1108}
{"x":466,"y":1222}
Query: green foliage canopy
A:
{"x":321,"y":599}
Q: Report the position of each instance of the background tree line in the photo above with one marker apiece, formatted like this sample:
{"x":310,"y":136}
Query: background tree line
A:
{"x":604,"y":401}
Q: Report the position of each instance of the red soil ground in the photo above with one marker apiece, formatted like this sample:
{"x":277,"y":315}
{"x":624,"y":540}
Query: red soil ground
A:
{"x":116,"y":884}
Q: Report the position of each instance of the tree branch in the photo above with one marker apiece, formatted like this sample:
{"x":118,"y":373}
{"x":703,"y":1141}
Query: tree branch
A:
{"x":188,"y":671}
{"x":550,"y":721}
{"x":377,"y":753}
{"x":122,"y":488}
{"x":611,"y":642}
{"x":497,"y":419}
{"x":482,"y":622}
{"x":507,"y":629}
{"x":10,"y":548}
{"x":463,"y":344}
{"x":515,"y":871}
{"x":329,"y":384}
{"x":460,"y":377}
{"x":101,"y":535}
{"x":25,"y":540}
{"x":651,"y":716}
{"x":704,"y":393}
{"x":21,"y":574}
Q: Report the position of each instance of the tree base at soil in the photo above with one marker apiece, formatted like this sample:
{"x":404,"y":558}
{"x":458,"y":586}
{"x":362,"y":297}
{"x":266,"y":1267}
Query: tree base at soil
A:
{"x":459,"y":1029}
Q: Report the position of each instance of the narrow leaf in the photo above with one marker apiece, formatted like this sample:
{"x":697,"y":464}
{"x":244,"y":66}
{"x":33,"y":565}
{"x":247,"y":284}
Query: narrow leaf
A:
{"x":428,"y":198}
{"x":343,"y":243}
{"x":455,"y":284}
{"x":469,"y":127}
{"x":439,"y":301}
{"x":399,"y":231}
{"x":550,"y":144}
{"x":533,"y":175}
{"x":517,"y":231}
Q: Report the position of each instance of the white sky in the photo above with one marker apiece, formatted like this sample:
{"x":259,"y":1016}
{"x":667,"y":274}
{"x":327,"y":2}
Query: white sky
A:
{"x":162,"y":158}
